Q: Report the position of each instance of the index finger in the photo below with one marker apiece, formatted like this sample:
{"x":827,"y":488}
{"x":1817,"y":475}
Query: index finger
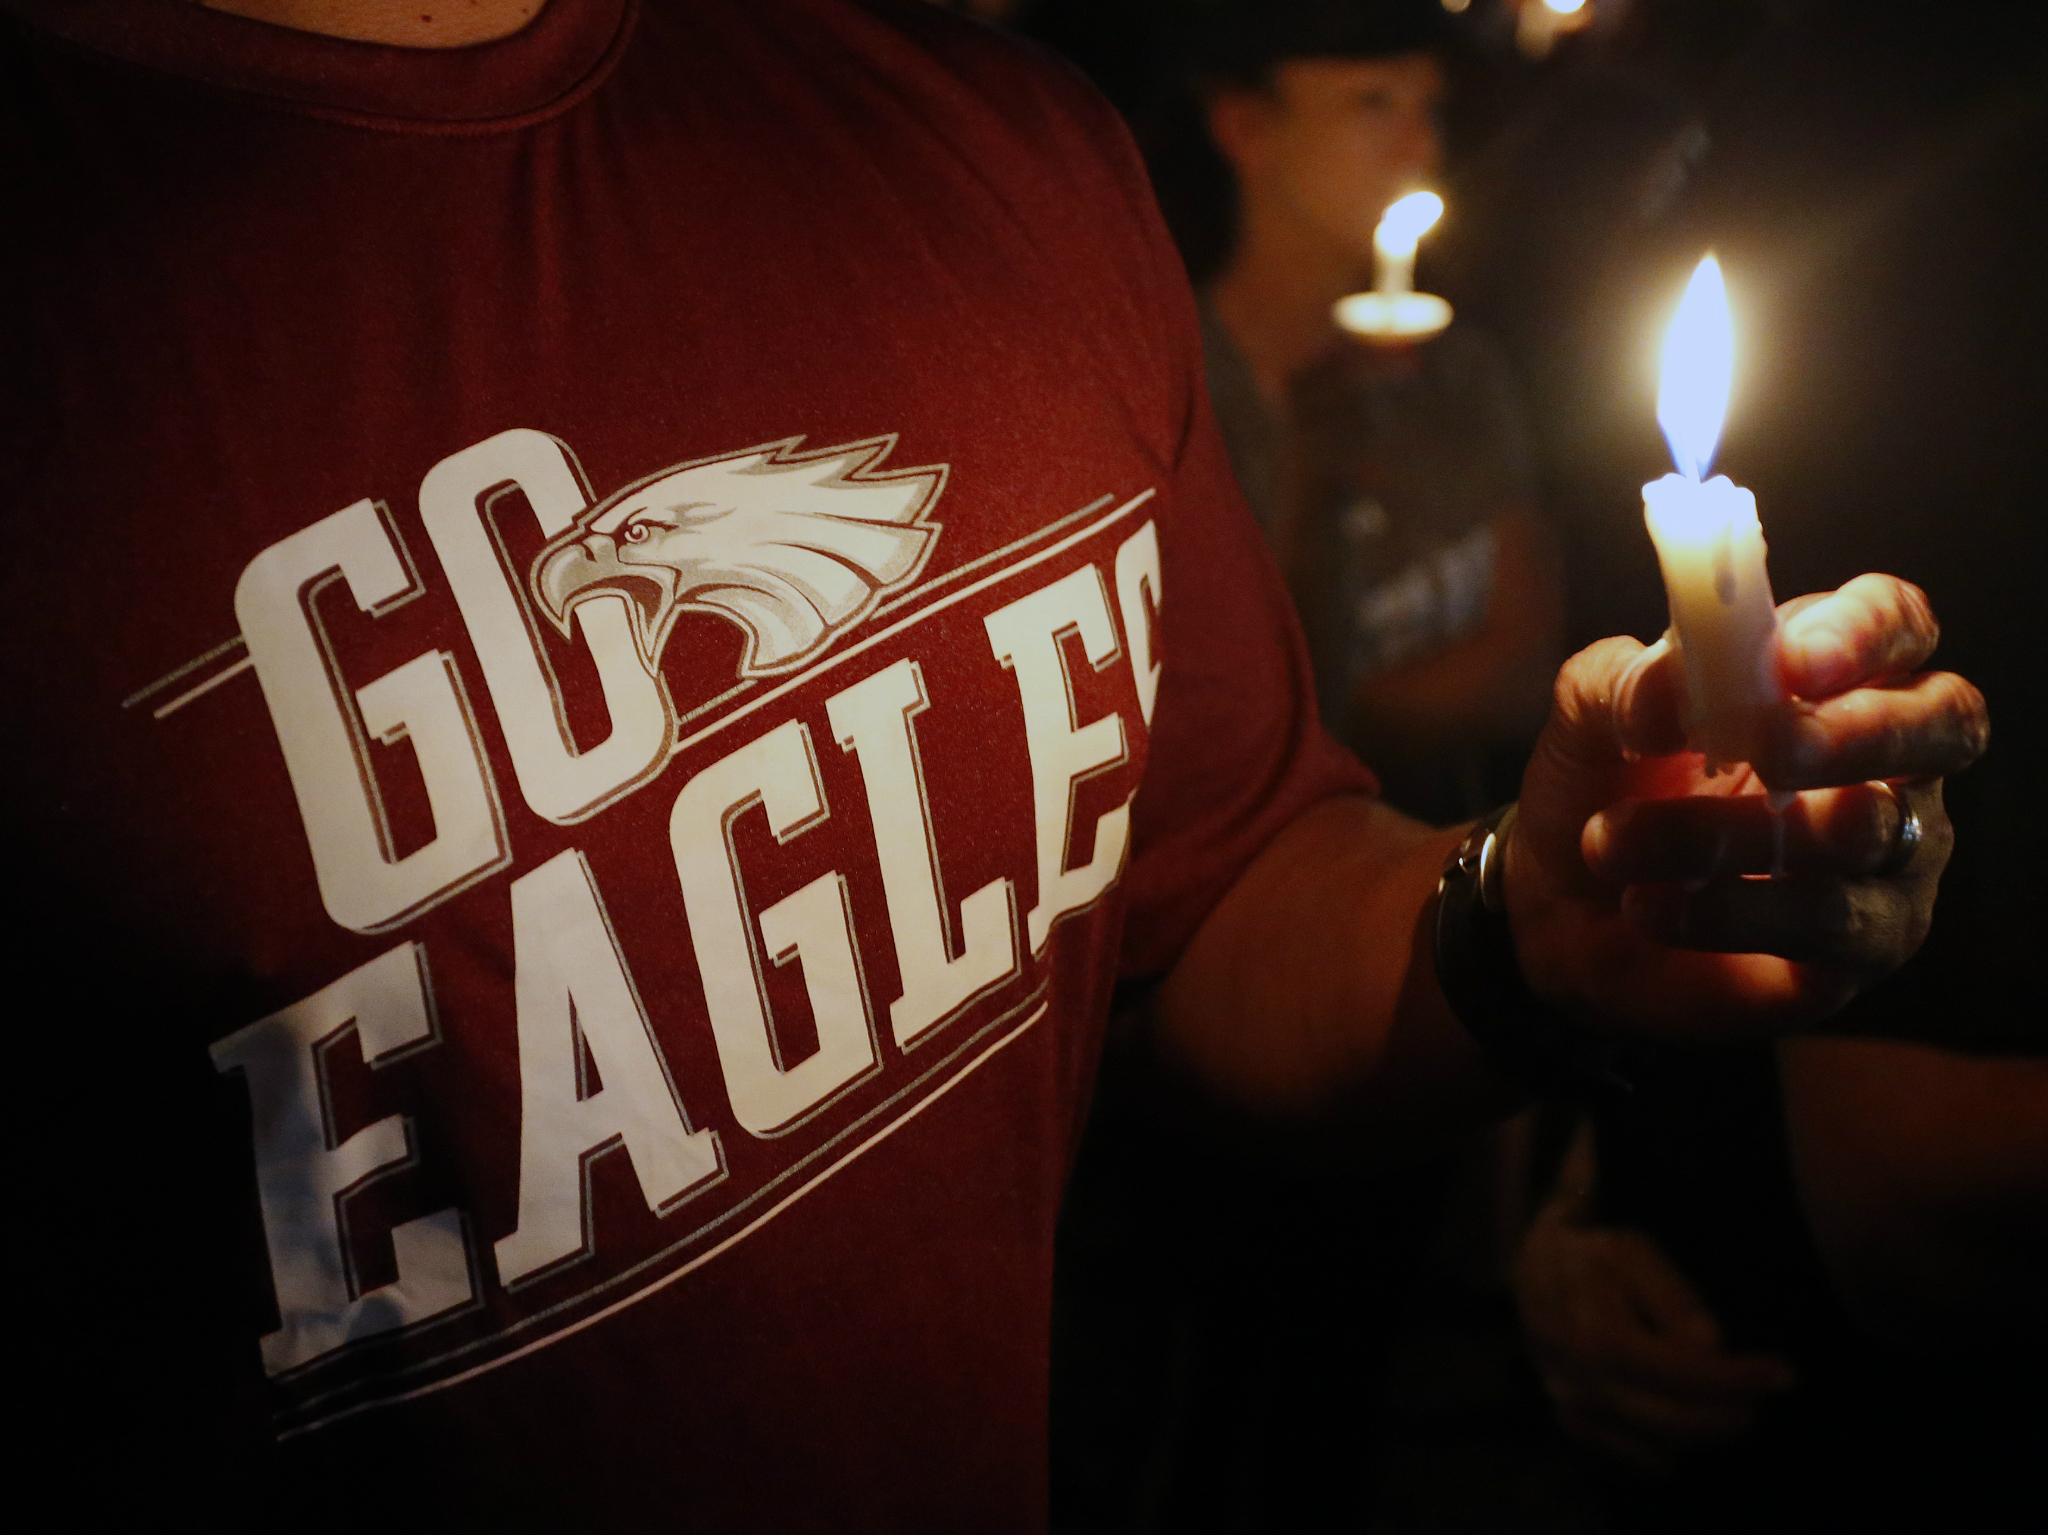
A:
{"x":1868,"y":630}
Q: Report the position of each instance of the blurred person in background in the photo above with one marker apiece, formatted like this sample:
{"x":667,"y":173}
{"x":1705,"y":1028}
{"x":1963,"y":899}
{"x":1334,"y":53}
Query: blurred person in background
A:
{"x":1395,"y":483}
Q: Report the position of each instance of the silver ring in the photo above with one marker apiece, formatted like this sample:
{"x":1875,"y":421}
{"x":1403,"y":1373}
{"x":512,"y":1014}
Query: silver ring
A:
{"x":1907,"y":842}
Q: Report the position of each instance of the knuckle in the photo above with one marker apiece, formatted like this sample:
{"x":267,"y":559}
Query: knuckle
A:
{"x":1957,"y":697}
{"x":1833,"y":932}
{"x":1959,"y":727}
{"x":1938,"y":834}
{"x":1564,"y":692}
{"x":1920,"y":615}
{"x":1965,"y":705}
{"x":1890,"y":736}
{"x":1894,"y":926}
{"x":1874,"y":829}
{"x":1846,"y":912}
{"x":1919,"y":922}
{"x":1903,"y":599}
{"x":1585,"y":684}
{"x":1878,"y":597}
{"x":1834,"y":917}
{"x":1883,"y":734}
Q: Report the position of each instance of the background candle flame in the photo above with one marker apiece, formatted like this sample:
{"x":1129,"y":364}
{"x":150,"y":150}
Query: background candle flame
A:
{"x":1406,"y":221}
{"x":1698,"y":367}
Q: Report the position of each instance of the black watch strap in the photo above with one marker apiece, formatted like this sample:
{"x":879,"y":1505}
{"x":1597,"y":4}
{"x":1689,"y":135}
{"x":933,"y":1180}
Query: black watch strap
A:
{"x":1525,"y":1037}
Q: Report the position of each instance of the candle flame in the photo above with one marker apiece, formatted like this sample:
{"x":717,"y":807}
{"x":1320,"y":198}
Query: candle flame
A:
{"x":1566,"y":7}
{"x":1699,"y":365}
{"x":1406,"y":221}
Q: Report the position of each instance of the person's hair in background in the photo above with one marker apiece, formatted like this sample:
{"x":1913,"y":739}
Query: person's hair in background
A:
{"x":1228,"y":50}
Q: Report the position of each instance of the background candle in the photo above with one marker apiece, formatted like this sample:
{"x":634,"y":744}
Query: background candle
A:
{"x":1710,"y":544}
{"x":1392,"y":313}
{"x":1400,"y":229}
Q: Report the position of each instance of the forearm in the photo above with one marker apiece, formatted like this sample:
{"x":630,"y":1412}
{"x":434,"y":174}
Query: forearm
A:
{"x":1310,"y":992}
{"x":1924,"y":1176}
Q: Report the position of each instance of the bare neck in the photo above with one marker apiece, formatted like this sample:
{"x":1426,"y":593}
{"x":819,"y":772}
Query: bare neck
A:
{"x":1275,"y":295}
{"x":400,"y":23}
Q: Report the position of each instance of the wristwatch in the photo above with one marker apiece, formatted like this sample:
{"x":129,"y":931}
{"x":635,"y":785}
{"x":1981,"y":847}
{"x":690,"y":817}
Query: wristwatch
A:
{"x":1527,"y":1038}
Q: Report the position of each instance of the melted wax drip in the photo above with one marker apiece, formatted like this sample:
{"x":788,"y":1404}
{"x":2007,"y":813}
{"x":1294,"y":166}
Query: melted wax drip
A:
{"x":1724,"y":571}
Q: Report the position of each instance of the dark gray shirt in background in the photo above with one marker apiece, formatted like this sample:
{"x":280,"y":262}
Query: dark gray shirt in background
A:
{"x":1382,"y":494}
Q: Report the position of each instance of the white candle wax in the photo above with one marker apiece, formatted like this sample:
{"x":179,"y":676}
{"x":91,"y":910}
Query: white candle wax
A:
{"x":1400,"y":230}
{"x":1393,"y":271}
{"x":1709,"y":542}
{"x":1723,"y":619}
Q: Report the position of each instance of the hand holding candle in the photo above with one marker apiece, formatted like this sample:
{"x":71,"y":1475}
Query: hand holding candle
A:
{"x":1631,"y":871}
{"x":1631,"y":875}
{"x":1709,"y":542}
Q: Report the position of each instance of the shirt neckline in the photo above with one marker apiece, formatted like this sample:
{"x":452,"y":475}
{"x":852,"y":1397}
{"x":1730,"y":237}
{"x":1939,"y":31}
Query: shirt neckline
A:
{"x":545,"y":67}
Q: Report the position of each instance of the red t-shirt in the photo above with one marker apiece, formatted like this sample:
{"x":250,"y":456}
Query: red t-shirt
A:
{"x":614,"y":642}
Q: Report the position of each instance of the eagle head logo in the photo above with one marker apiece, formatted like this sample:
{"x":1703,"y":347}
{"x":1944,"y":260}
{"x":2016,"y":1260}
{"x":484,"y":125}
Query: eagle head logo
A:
{"x":794,"y":548}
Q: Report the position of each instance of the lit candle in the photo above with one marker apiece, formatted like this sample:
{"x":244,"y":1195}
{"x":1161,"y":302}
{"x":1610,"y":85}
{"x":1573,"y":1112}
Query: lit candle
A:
{"x":1538,"y":26}
{"x":1393,"y":311}
{"x":1709,"y":542}
{"x":1400,"y":230}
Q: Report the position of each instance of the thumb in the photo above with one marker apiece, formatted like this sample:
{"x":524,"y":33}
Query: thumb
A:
{"x":1620,"y":697}
{"x":1613,"y":701}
